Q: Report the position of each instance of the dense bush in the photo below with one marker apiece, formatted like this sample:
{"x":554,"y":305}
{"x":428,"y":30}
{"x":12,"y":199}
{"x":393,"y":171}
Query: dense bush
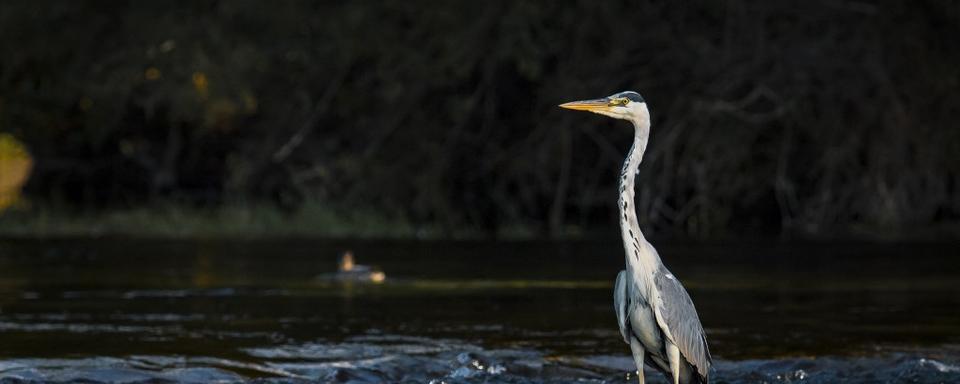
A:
{"x":769,"y":117}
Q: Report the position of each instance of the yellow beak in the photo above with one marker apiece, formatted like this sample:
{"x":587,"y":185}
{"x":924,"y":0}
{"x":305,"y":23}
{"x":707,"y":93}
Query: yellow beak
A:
{"x":595,"y":105}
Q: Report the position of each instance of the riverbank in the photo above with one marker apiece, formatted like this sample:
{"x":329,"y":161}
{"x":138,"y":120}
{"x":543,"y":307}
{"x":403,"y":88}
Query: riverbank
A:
{"x":315,"y":220}
{"x":175,"y":221}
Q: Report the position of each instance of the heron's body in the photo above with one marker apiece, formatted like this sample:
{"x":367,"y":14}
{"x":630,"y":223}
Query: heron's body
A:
{"x":655,"y":314}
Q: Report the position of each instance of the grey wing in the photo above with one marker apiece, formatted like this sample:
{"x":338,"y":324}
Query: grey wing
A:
{"x":680,"y":316}
{"x":621,"y":302}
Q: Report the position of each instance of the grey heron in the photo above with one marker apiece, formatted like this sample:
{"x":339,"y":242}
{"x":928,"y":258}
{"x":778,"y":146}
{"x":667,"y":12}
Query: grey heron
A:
{"x":656,"y":315}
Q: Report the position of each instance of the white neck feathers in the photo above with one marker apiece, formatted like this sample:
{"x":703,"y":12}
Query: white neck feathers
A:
{"x":640,"y":256}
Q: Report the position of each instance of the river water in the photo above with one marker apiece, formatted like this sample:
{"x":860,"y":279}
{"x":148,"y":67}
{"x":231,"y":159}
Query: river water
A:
{"x":131,"y":311}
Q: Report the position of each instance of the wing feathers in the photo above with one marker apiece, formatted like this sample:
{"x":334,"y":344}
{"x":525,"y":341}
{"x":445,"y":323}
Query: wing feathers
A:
{"x":676,"y":313}
{"x":621,"y":304}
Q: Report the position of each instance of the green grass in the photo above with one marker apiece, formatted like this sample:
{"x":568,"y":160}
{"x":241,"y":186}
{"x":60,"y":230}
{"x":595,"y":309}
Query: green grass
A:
{"x":178,"y":221}
{"x":318,"y":220}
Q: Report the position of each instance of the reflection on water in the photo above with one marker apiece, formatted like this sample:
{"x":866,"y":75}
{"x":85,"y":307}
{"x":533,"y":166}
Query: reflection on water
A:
{"x":134,"y":311}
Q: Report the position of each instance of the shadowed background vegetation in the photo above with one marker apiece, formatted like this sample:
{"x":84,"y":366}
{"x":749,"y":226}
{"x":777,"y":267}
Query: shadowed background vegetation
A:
{"x":814,"y":118}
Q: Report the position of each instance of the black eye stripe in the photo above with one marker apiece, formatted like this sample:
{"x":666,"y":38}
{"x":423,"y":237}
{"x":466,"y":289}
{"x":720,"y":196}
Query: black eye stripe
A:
{"x":629,"y":95}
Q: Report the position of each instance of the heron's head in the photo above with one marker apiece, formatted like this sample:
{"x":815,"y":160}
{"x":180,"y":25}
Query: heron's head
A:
{"x":624,"y":105}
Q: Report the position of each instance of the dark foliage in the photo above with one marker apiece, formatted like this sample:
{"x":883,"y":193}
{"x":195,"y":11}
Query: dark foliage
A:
{"x":769,"y":117}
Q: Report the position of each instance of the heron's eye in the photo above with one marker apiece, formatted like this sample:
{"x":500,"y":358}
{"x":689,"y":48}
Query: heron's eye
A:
{"x":619,"y":101}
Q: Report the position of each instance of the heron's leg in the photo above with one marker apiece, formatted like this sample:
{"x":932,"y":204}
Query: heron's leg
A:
{"x":673,"y":356}
{"x":638,"y":354}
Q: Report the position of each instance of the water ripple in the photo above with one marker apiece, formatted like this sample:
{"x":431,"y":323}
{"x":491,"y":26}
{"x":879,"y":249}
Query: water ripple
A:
{"x":390,"y":358}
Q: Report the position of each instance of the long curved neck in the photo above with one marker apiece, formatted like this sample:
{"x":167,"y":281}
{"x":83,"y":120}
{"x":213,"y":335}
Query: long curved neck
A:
{"x":639,"y":254}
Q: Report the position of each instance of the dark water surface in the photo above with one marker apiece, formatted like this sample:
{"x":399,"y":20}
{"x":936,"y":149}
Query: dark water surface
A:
{"x":218,"y":311}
